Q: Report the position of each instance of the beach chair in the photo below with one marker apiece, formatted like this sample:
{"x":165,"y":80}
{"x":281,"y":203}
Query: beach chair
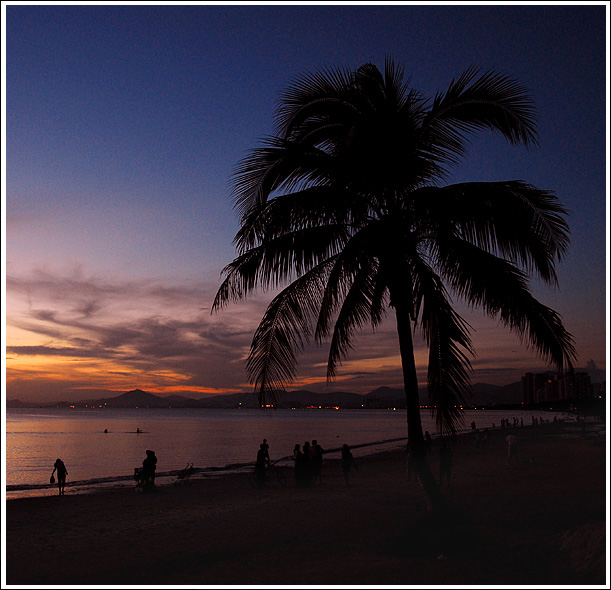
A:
{"x":184,"y":474}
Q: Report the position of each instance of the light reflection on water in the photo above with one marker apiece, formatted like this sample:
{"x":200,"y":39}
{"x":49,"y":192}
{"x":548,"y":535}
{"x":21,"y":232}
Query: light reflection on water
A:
{"x":207,"y":438}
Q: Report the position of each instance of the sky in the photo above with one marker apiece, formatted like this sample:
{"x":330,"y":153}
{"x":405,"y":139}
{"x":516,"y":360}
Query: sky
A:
{"x":124,"y":123}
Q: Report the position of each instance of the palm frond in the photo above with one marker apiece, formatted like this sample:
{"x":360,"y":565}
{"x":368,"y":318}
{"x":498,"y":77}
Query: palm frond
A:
{"x":502,"y":290}
{"x":493,"y":101}
{"x":355,"y":255}
{"x":447,"y":335}
{"x":299,"y":210}
{"x":449,"y":370}
{"x":513,"y":219}
{"x":283,"y":330}
{"x":277,"y":165}
{"x":355,"y":312}
{"x":277,"y":261}
{"x":308,"y":88}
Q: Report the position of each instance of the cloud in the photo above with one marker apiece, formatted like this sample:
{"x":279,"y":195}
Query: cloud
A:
{"x":97,"y":332}
{"x":145,"y":330}
{"x":50,"y":351}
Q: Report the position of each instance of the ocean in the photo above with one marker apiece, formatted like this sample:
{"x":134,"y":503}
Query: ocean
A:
{"x":216,"y":441}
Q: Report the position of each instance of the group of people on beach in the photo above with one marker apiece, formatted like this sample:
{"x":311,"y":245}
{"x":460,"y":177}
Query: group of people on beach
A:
{"x":308,"y":463}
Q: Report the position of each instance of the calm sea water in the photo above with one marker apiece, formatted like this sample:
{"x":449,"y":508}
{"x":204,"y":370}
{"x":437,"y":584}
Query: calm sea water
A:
{"x":223,"y":439}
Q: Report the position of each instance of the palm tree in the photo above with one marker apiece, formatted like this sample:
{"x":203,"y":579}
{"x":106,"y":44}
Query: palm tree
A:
{"x":345,"y":209}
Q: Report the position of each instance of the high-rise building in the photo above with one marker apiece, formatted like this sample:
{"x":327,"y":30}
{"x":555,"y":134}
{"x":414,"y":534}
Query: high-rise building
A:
{"x":550,"y":386}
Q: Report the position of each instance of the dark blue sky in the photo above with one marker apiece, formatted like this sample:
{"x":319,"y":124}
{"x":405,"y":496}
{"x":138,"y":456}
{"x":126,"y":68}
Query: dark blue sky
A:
{"x":124,"y":123}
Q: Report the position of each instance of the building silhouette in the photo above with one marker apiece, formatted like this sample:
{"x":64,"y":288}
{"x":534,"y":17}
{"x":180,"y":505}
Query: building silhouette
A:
{"x":550,"y":387}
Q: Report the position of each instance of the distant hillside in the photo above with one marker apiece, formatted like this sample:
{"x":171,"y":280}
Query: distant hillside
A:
{"x":383,"y":397}
{"x":17,"y":403}
{"x":287,"y":399}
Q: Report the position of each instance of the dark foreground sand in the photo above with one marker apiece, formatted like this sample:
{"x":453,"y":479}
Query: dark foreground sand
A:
{"x":542,"y":521}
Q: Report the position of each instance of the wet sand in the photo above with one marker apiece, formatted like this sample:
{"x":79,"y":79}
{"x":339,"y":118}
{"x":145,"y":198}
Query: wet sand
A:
{"x":540,"y":521}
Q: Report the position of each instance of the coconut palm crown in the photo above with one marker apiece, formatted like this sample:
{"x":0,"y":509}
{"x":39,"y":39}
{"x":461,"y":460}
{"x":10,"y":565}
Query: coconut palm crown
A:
{"x":344,"y":210}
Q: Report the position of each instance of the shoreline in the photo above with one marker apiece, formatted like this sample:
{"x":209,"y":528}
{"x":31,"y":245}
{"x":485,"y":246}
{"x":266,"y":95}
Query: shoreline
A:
{"x":91,"y":486}
{"x":125,"y":481}
{"x":541,"y":521}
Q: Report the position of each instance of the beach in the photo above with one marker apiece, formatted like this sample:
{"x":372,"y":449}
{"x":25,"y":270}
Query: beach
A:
{"x":541,"y":520}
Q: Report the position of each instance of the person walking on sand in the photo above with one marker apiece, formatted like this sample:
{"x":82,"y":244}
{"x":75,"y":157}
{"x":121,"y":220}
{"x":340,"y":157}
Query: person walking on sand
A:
{"x":347,"y":462}
{"x":512,"y":448}
{"x":61,"y":475}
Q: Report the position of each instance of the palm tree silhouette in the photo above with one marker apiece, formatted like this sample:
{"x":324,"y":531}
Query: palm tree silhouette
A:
{"x":344,"y":205}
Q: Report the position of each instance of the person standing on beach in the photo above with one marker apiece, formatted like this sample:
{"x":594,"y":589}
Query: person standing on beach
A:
{"x":307,"y":464}
{"x":149,"y":465}
{"x":512,"y":448}
{"x":61,"y":475}
{"x":347,"y":461}
{"x":261,"y":464}
{"x":316,"y":461}
{"x":265,"y":448}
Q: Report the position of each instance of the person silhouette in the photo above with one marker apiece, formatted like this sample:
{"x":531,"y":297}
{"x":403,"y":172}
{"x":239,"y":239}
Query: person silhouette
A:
{"x":149,"y":465}
{"x":261,"y":463}
{"x":265,"y":448}
{"x":347,"y":462}
{"x":61,"y":475}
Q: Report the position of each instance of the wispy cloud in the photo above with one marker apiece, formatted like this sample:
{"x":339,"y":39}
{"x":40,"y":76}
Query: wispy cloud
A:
{"x":92,"y":332}
{"x":145,"y":327}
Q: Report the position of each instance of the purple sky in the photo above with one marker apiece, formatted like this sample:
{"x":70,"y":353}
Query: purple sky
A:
{"x":124,"y":123}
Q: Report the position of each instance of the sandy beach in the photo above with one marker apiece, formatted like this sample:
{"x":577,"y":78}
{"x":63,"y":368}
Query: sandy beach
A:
{"x":540,"y":521}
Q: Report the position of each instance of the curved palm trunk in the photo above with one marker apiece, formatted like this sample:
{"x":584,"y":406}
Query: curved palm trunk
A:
{"x":432,"y":493}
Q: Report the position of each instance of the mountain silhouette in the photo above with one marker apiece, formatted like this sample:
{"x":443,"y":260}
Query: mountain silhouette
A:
{"x":382,"y":397}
